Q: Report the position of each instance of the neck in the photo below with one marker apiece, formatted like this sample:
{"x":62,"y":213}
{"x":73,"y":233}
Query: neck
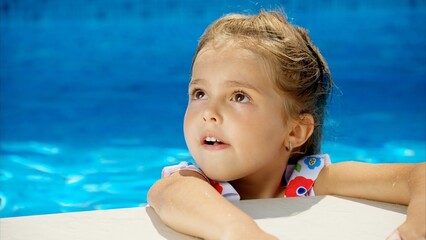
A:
{"x":256,"y":186}
{"x":245,"y":189}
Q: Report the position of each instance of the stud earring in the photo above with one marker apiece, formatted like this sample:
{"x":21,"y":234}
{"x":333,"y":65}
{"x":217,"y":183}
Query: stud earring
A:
{"x":290,"y":146}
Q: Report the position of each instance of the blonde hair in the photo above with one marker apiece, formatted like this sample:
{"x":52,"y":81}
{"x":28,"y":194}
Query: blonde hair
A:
{"x":299,"y":70}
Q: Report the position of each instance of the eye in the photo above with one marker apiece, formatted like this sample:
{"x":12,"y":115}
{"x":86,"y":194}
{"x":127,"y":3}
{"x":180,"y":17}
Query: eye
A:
{"x":240,"y":97}
{"x":198,"y":94}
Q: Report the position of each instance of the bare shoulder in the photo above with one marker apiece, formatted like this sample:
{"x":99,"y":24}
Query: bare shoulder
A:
{"x":182,"y":178}
{"x":178,"y":176}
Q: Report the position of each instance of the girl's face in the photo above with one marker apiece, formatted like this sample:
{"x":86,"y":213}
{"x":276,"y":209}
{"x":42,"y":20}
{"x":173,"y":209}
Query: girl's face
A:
{"x":234,"y":124}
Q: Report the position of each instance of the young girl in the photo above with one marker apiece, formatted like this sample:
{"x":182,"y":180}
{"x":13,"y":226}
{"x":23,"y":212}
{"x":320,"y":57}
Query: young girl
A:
{"x":253,"y":124}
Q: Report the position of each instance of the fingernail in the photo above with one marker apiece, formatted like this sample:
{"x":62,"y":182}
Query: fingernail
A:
{"x":394,"y":236}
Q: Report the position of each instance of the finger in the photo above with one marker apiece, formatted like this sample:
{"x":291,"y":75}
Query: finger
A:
{"x":394,"y":236}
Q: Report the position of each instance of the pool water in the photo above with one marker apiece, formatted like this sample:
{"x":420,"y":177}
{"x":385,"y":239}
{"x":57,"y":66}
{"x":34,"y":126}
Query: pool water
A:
{"x":92,"y":99}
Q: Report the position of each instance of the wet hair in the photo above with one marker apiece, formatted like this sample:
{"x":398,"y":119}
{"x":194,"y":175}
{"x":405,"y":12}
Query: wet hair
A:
{"x":298,"y":68}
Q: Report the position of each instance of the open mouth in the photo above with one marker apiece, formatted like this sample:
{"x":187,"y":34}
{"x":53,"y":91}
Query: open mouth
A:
{"x":212,"y":141}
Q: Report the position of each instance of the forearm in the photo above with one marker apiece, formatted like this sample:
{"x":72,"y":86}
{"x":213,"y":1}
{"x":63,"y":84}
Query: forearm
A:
{"x":379,"y":182}
{"x":191,"y":206}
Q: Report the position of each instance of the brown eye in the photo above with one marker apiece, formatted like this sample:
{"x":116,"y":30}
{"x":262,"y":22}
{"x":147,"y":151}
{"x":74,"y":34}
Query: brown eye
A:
{"x":198,"y":94}
{"x":240,"y":97}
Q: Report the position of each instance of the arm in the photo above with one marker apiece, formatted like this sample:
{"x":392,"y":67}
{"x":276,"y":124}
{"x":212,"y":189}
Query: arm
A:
{"x":188,"y":204}
{"x":394,"y":183}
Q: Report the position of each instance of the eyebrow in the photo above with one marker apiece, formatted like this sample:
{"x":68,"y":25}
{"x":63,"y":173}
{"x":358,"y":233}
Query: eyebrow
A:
{"x":195,"y":81}
{"x":228,"y":83}
{"x":232,"y":83}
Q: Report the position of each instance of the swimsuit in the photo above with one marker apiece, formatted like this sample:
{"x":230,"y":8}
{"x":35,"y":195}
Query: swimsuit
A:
{"x":300,"y":178}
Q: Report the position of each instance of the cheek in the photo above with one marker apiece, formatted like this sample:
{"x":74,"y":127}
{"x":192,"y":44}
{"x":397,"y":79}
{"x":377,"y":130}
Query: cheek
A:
{"x":186,"y":123}
{"x":265,"y":132}
{"x":188,"y":126}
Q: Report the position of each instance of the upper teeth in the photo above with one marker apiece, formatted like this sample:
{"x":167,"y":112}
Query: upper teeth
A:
{"x":211,"y":139}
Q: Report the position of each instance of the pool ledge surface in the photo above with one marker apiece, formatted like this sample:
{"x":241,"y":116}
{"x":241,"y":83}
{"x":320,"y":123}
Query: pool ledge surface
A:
{"x":321,"y":217}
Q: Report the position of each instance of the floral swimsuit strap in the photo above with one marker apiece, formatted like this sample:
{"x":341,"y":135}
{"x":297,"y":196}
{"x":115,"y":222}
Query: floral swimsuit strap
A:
{"x":305,"y":172}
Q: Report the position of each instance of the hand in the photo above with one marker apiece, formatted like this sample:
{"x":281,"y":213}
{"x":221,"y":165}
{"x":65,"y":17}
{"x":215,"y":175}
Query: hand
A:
{"x":246,"y":228}
{"x":414,"y":227}
{"x":407,"y":231}
{"x":253,"y":232}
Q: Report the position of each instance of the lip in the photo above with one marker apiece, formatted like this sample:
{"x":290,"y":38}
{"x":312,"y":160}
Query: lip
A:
{"x":214,"y":147}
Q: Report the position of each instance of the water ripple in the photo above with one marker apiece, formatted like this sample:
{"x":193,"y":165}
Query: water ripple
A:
{"x":120,"y":176}
{"x":33,"y":147}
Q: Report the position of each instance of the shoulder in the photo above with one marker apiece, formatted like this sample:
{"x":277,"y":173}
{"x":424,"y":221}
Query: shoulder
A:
{"x":184,"y":169}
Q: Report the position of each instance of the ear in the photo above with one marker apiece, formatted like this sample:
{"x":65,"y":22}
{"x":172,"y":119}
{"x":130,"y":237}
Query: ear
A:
{"x":302,"y":129}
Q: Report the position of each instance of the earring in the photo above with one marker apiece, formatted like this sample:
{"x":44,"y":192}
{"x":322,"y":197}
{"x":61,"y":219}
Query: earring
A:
{"x":290,"y":146}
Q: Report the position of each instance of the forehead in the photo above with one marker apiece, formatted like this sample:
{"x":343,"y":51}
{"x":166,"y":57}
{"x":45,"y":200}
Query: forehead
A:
{"x":232,"y":56}
{"x":230,"y":44}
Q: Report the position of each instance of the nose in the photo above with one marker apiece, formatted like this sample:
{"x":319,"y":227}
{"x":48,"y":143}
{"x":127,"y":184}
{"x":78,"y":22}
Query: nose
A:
{"x":211,"y":115}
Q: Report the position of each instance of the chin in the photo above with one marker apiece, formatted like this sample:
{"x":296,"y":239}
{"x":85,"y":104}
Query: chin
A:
{"x":218,"y":176}
{"x":210,"y":173}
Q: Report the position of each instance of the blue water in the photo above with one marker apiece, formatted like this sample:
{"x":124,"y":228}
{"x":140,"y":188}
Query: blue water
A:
{"x":93,"y":93}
